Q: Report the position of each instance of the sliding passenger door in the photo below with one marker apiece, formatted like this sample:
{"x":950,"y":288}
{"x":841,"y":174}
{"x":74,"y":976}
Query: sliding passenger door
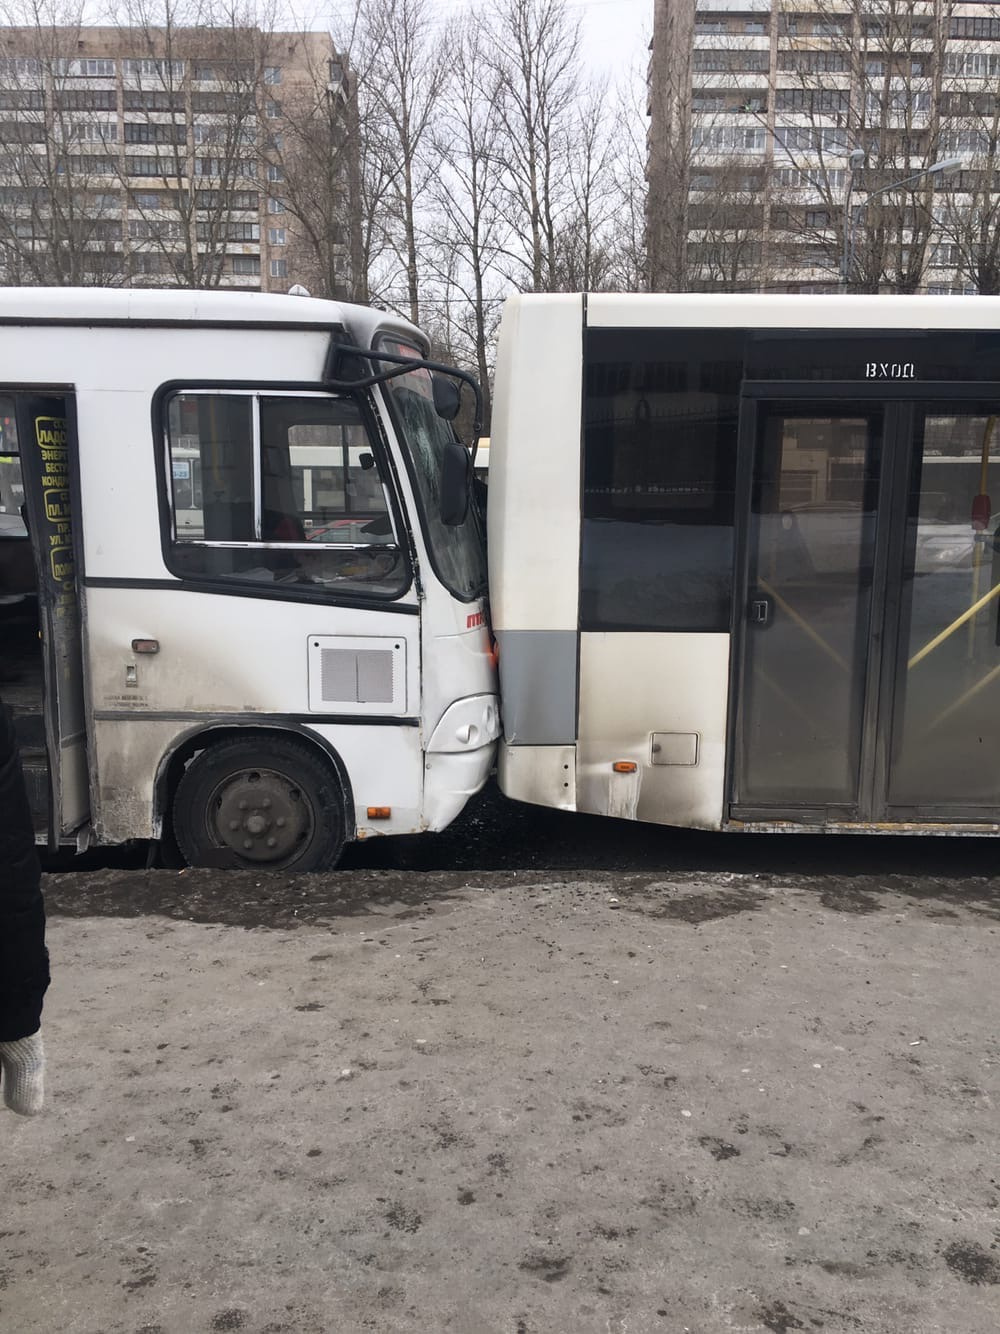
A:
{"x":812,"y":529}
{"x":869,"y":678}
{"x":944,"y":761}
{"x":44,"y":433}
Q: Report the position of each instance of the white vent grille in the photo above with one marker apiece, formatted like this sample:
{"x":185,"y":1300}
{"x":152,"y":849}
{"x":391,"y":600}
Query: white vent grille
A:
{"x":348,"y":675}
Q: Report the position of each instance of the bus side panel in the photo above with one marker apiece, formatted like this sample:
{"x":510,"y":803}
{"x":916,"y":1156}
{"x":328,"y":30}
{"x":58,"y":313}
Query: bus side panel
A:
{"x":541,"y":775}
{"x":386,"y":768}
{"x":534,"y":516}
{"x":220,"y":659}
{"x":219,"y":653}
{"x":660,"y":701}
{"x":534,"y":494}
{"x":384,"y":764}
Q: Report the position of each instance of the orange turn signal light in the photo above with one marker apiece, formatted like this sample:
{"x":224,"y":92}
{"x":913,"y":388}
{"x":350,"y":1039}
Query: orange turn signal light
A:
{"x":625,"y":766}
{"x":379,"y":812}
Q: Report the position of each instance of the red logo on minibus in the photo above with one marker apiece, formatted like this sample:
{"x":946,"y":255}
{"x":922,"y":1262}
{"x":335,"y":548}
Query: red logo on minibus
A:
{"x":473,"y":619}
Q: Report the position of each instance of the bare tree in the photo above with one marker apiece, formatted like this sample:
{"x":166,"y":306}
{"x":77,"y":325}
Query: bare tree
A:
{"x":191,"y":82}
{"x":968,"y":213}
{"x":467,"y":231}
{"x":725,"y":245}
{"x":309,"y":130}
{"x":711,"y":136}
{"x":536,"y":56}
{"x":59,"y":223}
{"x":372,"y":165}
{"x":628,"y":256}
{"x":151,"y":173}
{"x":898,"y":74}
{"x":584,"y":243}
{"x":865,"y":79}
{"x":401,"y":71}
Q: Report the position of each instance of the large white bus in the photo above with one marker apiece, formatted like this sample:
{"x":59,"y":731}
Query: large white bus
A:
{"x":744,"y":572}
{"x":242,"y":590}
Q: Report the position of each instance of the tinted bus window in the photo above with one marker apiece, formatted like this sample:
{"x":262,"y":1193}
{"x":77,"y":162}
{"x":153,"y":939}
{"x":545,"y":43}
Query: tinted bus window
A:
{"x":659,"y":465}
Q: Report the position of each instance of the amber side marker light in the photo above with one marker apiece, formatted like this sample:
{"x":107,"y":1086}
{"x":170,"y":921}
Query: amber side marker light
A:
{"x":379,"y":812}
{"x":624,"y":766}
{"x":145,"y":646}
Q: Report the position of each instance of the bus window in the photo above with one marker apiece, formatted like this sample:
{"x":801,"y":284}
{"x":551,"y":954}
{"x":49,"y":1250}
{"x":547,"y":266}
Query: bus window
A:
{"x":336,"y":493}
{"x":457,"y":551}
{"x":211,"y":440}
{"x":11,"y":484}
{"x":659,"y":472}
{"x":278,"y":488}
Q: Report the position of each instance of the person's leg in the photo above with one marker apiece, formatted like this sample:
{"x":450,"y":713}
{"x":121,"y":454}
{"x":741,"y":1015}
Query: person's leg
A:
{"x":24,"y":960}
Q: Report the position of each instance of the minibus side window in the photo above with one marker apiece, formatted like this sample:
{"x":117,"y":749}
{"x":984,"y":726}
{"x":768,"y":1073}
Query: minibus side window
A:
{"x":275,"y":488}
{"x":11,"y":482}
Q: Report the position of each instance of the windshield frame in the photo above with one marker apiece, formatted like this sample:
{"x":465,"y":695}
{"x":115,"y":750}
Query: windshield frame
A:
{"x":422,"y":483}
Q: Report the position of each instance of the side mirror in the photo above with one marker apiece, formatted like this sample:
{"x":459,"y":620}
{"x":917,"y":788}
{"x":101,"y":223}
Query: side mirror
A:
{"x":447,"y":397}
{"x":455,"y":477}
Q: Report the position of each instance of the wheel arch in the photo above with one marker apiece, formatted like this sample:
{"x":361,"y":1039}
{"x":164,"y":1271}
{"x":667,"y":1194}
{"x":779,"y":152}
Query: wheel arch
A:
{"x":202,"y":736}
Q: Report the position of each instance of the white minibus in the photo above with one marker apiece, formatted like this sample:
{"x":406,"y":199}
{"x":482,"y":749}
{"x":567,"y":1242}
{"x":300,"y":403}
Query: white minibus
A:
{"x":242,"y":588}
{"x":744,"y":565}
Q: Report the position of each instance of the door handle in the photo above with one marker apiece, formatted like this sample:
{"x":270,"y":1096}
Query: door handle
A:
{"x":760,"y":611}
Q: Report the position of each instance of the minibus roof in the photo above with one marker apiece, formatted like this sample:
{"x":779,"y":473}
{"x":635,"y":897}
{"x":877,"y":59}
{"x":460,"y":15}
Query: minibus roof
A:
{"x":220,"y":307}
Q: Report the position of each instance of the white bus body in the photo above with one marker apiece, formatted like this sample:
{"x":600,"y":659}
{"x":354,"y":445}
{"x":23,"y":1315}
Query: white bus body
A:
{"x":257,"y":633}
{"x":482,"y":465}
{"x":744,"y":572}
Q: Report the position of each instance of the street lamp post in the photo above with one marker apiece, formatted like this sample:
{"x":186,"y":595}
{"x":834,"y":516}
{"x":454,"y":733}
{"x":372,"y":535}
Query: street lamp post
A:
{"x":851,"y":218}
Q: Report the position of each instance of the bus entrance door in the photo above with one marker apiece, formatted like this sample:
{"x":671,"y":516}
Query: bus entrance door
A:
{"x":43,"y":430}
{"x":869,"y":682}
{"x":811,"y":559}
{"x":944,"y":761}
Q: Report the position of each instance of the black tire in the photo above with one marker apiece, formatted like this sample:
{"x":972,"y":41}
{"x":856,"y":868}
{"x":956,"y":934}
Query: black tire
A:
{"x":267,"y":804}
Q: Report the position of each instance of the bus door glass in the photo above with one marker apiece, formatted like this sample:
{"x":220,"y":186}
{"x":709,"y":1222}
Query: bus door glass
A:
{"x":43,"y":431}
{"x":809,"y":602}
{"x":947,"y":695}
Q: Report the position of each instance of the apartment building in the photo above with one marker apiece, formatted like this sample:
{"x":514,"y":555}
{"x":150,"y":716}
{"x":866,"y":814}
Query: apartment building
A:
{"x":782,"y":132}
{"x":189,"y":157}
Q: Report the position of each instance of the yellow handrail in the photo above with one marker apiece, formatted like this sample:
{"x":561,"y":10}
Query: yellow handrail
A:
{"x":949,"y":630}
{"x":971,"y":693}
{"x":803,"y":624}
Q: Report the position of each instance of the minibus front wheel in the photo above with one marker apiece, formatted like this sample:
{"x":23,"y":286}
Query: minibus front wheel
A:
{"x":267,"y":803}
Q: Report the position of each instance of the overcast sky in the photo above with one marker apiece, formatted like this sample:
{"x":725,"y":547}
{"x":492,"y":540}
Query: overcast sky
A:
{"x":616,"y":33}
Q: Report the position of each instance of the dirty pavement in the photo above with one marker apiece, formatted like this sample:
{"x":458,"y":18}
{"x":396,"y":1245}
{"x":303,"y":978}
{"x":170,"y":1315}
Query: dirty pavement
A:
{"x":511,"y":1103}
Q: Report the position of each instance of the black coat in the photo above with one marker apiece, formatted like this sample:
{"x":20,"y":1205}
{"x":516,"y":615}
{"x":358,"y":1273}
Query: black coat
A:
{"x":24,"y":960}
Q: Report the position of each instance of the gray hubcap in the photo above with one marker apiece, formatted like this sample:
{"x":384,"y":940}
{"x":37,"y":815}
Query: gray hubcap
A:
{"x":261,"y":814}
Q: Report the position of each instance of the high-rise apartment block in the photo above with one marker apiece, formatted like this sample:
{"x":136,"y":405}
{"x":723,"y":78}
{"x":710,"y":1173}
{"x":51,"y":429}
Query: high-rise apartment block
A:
{"x":790,"y":142}
{"x":191,"y":157}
